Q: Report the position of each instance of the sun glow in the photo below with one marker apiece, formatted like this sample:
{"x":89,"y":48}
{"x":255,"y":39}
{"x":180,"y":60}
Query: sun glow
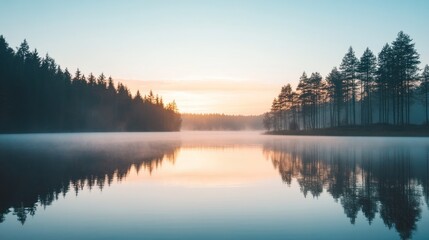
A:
{"x":211,"y":96}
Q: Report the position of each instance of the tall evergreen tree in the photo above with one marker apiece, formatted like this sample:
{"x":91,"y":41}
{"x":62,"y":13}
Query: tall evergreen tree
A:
{"x":304,"y":96}
{"x":349,"y":68}
{"x":366,"y":71}
{"x":275,"y":110}
{"x":285,"y":101}
{"x":336,"y":95}
{"x":405,"y":74}
{"x":315,"y":95}
{"x":384,"y":85}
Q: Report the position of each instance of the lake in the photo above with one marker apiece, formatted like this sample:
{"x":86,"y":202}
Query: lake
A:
{"x":212,"y":185}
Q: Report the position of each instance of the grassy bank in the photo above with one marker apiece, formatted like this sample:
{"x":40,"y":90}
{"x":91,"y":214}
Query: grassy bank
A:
{"x":372,"y":130}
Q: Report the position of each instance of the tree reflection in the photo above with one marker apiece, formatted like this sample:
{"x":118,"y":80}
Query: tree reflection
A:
{"x":35,"y":173}
{"x":426,"y":182}
{"x":388,"y":179}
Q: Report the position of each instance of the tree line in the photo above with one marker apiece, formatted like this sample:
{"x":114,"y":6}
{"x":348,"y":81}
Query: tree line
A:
{"x":384,"y":89}
{"x":37,"y":95}
{"x":222,"y":122}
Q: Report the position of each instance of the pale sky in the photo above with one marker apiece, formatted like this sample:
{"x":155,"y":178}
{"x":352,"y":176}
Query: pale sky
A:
{"x":225,"y":56}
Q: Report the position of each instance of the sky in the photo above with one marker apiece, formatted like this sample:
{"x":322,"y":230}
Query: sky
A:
{"x":223,"y":56}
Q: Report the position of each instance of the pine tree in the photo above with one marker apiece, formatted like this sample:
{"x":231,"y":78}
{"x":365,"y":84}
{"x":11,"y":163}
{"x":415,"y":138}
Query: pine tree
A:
{"x":315,"y":96}
{"x":405,"y":74}
{"x":348,"y":68}
{"x":101,"y":81}
{"x":23,"y":51}
{"x":384,"y":85}
{"x":6,"y":100}
{"x":336,"y":95}
{"x":366,"y":71}
{"x":285,"y":100}
{"x":304,"y":94}
{"x":91,"y":80}
{"x":275,"y":110}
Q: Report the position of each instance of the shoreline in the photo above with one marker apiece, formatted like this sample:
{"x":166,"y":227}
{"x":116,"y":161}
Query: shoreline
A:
{"x":360,"y":131}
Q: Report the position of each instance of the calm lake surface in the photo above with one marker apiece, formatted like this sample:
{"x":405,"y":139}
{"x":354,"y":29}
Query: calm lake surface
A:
{"x":212,"y":185}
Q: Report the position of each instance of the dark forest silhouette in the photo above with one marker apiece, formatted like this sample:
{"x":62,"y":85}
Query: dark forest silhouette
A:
{"x":36,"y":171}
{"x":390,"y":180}
{"x":216,"y":122}
{"x":36,"y":95}
{"x":386,"y":90}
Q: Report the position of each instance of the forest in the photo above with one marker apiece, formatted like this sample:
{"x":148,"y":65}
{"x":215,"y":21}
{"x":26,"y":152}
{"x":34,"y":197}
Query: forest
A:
{"x":388,"y":89}
{"x":37,"y":95}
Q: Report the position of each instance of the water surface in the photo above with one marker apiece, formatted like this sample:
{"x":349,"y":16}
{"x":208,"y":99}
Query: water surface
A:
{"x":213,"y":185}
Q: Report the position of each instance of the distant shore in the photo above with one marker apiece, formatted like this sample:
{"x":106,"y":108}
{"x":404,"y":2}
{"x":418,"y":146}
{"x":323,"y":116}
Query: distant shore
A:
{"x":370,"y":131}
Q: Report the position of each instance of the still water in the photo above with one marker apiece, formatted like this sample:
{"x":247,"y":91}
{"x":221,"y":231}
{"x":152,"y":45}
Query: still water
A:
{"x":212,"y":185}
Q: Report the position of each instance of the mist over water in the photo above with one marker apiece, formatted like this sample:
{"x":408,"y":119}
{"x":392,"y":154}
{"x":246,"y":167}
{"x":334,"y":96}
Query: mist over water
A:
{"x":215,"y":185}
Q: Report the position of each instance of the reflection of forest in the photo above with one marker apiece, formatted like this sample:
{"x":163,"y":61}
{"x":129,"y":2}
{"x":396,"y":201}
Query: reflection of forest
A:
{"x":391,"y":179}
{"x":34,"y":172}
